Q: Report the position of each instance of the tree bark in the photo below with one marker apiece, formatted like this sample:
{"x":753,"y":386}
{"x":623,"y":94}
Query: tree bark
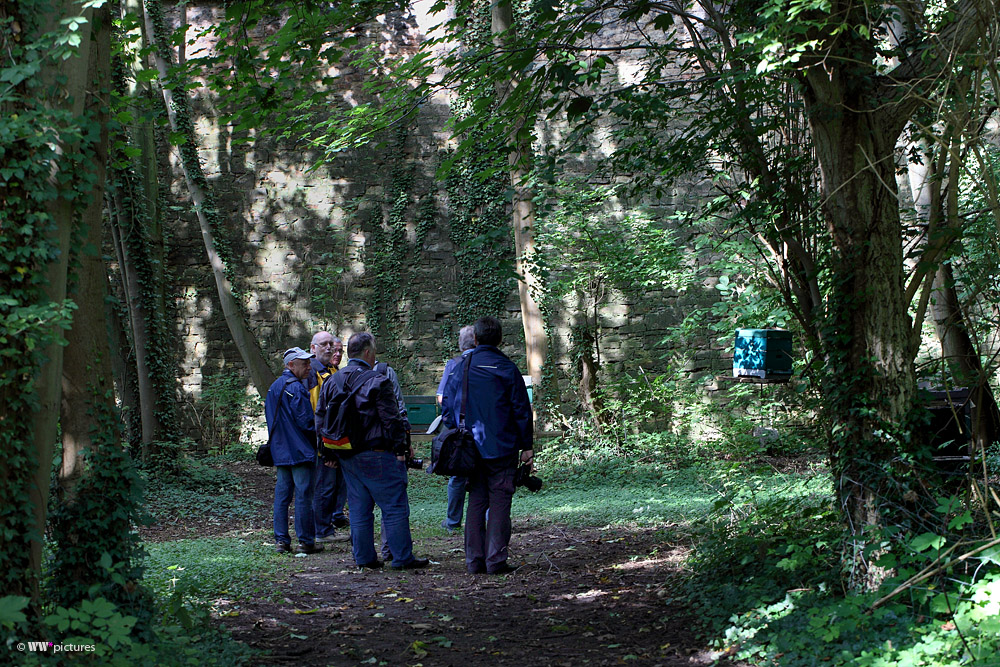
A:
{"x":856,"y":116}
{"x":87,"y":375}
{"x":870,"y":375}
{"x":70,"y":77}
{"x":178,"y":111}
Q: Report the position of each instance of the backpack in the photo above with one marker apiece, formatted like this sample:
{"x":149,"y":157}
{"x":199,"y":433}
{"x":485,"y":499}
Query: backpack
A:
{"x":338,"y":417}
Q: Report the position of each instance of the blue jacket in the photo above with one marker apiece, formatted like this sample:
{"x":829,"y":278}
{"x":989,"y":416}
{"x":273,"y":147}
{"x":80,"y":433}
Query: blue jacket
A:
{"x":498,"y":412}
{"x":449,"y":368}
{"x":293,"y":440}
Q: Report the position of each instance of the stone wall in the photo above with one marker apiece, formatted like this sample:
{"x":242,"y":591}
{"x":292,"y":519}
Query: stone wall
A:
{"x":305,"y":240}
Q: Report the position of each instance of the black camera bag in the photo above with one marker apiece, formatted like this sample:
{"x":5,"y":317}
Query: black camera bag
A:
{"x":453,"y":451}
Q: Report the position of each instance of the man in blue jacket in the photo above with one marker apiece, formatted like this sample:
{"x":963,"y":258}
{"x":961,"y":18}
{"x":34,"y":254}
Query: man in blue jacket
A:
{"x":499,"y":416}
{"x":290,"y":423}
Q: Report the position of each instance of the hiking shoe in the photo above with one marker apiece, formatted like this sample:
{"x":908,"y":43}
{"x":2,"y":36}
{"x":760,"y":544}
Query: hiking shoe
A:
{"x":374,"y":565}
{"x":415,"y":564}
{"x":476,"y":568}
{"x":308,"y":548}
{"x":502,"y":568}
{"x":341,"y":523}
{"x":333,"y":537}
{"x":283,"y":547}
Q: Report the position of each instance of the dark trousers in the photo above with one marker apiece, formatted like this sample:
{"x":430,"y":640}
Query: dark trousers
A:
{"x":329,"y":497}
{"x":491,"y":488}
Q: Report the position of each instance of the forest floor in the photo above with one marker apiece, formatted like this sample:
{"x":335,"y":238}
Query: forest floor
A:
{"x":581,"y":596}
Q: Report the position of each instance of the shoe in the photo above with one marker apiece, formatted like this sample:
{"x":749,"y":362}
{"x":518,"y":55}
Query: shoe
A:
{"x":450,"y":529}
{"x":374,"y":565}
{"x":341,"y":523}
{"x":502,"y":568}
{"x":476,"y":568}
{"x":308,"y":548}
{"x":333,"y":537}
{"x":415,"y":564}
{"x":283,"y":547}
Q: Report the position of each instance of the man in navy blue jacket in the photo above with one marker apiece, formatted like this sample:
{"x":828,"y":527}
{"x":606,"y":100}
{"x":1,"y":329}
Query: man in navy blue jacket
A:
{"x":499,"y":416}
{"x":290,"y":423}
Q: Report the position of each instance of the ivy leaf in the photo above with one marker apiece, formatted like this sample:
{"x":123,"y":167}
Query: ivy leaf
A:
{"x":926,"y":541}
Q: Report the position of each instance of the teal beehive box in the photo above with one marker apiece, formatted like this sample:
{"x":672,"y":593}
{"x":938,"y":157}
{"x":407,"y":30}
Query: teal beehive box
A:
{"x":763,"y":353}
{"x":420,"y":410}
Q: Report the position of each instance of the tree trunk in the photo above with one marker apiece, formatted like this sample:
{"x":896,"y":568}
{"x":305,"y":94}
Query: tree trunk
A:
{"x":122,"y":226}
{"x":523,"y":221}
{"x":86,"y":383}
{"x":123,"y":366}
{"x":870,"y":378}
{"x":176,"y":101}
{"x":73,"y":72}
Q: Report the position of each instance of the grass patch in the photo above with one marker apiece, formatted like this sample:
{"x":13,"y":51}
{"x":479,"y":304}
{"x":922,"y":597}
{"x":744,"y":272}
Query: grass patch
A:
{"x":604,"y":490}
{"x":209,"y":568}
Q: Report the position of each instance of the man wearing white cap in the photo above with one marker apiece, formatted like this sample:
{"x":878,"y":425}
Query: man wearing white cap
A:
{"x":290,"y":423}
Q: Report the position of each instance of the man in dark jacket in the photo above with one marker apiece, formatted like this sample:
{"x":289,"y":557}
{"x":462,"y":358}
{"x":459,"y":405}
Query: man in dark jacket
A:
{"x":499,"y":416}
{"x":290,"y":423}
{"x":374,"y":457}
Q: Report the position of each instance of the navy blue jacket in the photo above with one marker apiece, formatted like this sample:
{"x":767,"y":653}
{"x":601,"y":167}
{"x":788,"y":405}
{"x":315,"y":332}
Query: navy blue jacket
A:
{"x":293,"y":440}
{"x":498,"y":412}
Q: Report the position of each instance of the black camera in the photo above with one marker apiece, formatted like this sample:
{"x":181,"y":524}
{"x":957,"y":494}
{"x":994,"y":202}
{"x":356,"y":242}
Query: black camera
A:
{"x":415,"y":464}
{"x":523,"y":477}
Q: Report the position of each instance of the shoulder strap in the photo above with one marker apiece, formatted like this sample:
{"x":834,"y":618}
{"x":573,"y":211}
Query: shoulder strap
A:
{"x":465,"y":388}
{"x":361,"y":378}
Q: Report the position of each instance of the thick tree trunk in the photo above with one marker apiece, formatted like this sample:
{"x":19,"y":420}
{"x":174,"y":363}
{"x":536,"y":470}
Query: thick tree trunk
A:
{"x":87,"y":376}
{"x":71,"y":78}
{"x":870,"y":379}
{"x":178,"y":111}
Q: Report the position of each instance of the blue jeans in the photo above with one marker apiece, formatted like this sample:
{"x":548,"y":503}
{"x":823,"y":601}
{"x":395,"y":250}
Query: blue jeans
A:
{"x":297,"y":479}
{"x":329,"y":497}
{"x":377,"y":478}
{"x":456,"y":502}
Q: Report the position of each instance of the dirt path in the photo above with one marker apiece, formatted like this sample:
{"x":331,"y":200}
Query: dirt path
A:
{"x":579,"y":598}
{"x":592,"y":597}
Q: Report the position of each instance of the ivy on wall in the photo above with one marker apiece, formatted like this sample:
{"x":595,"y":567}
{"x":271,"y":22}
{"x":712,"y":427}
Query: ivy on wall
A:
{"x":479,"y":204}
{"x":388,"y":251}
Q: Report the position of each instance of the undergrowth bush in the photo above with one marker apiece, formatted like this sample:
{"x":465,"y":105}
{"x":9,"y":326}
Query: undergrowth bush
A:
{"x":197,"y":487}
{"x":98,"y":632}
{"x":766,"y":580}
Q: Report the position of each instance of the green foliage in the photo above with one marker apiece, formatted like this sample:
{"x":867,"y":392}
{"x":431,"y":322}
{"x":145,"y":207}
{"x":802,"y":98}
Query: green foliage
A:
{"x":96,"y":632}
{"x":96,"y":552}
{"x":197,"y":488}
{"x":226,"y":413}
{"x":479,"y":228}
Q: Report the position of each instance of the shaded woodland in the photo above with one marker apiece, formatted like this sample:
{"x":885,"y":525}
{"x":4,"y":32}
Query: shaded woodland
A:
{"x":824,"y":167}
